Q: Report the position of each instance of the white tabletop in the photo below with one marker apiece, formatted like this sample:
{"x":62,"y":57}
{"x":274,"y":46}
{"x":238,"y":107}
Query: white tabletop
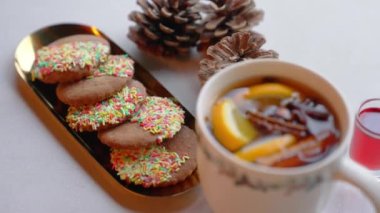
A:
{"x":338,"y":38}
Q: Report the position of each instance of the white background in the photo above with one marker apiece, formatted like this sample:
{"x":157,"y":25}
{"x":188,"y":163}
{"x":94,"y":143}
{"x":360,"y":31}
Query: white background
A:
{"x":337,"y":38}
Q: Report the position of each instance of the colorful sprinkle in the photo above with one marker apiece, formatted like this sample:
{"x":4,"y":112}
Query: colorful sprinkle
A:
{"x":160,"y":116}
{"x":69,"y":57}
{"x":146,"y":166}
{"x":116,"y":65}
{"x":111,"y":111}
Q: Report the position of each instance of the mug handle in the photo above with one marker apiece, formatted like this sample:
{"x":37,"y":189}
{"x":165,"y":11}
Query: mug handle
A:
{"x":359,"y":176}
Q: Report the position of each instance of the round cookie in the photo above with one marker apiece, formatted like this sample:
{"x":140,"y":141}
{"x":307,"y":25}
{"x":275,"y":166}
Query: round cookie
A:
{"x":89,"y":91}
{"x":69,"y":61}
{"x":126,"y":135}
{"x":107,"y":79}
{"x":82,"y":38}
{"x":107,"y":113}
{"x":158,"y":165}
{"x":157,"y":119}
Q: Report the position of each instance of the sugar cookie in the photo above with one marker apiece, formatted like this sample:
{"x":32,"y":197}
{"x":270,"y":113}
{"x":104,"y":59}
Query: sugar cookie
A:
{"x":158,"y":165}
{"x":156,"y":120}
{"x":68,"y":62}
{"x":110,"y":112}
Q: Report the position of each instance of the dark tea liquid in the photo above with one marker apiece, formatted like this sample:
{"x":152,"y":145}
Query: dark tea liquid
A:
{"x":365,"y":147}
{"x":301,"y":115}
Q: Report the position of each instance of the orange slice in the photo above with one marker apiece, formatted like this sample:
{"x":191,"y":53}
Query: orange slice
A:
{"x":265,"y":147}
{"x":230,"y":127}
{"x":269,"y":90}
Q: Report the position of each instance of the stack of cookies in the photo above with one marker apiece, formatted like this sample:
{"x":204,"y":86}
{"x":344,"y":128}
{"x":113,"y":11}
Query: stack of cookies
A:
{"x":149,"y":144}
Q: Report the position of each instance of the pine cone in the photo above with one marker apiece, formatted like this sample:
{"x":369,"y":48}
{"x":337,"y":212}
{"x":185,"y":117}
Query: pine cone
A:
{"x":231,"y":49}
{"x":165,"y":27}
{"x":225,"y":17}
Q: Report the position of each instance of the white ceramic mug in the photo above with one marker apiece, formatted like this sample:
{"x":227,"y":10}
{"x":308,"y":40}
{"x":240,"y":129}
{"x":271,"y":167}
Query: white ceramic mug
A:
{"x":233,"y":185}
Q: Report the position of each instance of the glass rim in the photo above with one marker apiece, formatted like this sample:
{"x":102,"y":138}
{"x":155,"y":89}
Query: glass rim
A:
{"x":360,"y":124}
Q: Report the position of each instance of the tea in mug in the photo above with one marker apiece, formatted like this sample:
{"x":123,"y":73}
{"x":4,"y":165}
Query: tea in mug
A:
{"x":274,"y":123}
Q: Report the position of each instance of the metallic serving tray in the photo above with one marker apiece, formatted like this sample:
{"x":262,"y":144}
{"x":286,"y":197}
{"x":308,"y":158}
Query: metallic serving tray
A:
{"x":24,"y":58}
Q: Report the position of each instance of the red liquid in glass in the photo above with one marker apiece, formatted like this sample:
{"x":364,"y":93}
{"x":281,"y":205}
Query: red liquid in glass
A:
{"x":365,"y":147}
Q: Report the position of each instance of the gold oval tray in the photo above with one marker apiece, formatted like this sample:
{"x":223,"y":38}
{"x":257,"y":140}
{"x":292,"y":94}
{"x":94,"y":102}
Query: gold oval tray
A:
{"x":24,"y":58}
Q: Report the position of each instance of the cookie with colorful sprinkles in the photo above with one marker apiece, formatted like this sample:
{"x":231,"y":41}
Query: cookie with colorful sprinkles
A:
{"x":107,"y":113}
{"x":157,"y":119}
{"x":69,"y":61}
{"x":157,"y":165}
{"x":106,"y":80}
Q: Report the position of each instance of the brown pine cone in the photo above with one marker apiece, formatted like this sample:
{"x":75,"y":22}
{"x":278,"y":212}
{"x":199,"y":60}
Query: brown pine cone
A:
{"x":225,"y":17}
{"x":165,"y":27}
{"x":231,"y":49}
